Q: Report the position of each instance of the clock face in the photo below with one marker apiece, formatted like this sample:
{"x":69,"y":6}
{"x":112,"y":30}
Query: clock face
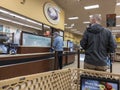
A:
{"x":51,"y":13}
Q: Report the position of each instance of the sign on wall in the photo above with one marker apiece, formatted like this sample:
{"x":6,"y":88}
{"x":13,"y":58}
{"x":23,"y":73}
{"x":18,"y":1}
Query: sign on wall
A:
{"x":111,"y":20}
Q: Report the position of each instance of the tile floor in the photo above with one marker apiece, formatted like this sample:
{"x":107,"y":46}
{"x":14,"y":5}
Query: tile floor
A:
{"x":116,"y":65}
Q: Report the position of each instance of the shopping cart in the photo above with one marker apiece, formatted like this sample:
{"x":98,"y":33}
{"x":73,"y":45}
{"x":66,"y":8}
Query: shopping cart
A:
{"x":65,"y":79}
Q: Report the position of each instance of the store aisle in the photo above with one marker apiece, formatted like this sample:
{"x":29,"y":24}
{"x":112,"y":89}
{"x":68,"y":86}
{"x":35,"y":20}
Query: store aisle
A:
{"x":116,"y":65}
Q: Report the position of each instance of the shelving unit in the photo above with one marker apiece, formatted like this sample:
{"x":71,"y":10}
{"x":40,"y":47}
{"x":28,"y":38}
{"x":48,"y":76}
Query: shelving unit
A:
{"x":117,"y":58}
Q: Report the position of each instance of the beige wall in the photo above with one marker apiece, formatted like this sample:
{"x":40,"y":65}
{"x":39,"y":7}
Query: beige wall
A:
{"x":72,"y":37}
{"x":32,"y":9}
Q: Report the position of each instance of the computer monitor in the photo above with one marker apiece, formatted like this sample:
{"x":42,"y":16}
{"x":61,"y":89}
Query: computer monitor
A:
{"x":97,"y":83}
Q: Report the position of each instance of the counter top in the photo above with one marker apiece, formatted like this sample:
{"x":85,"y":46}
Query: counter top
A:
{"x":29,"y":54}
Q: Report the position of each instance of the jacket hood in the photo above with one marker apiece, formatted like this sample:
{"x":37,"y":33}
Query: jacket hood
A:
{"x":95,"y":29}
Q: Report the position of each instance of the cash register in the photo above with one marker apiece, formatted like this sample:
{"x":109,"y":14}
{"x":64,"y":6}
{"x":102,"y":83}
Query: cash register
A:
{"x":5,"y":46}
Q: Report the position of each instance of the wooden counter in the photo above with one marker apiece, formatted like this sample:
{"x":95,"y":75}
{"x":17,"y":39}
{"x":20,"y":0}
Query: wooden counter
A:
{"x":25,"y":64}
{"x":70,"y":57}
{"x":26,"y":49}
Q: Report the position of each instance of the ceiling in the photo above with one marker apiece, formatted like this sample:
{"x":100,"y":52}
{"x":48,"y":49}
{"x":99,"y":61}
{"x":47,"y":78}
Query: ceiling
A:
{"x":76,"y":8}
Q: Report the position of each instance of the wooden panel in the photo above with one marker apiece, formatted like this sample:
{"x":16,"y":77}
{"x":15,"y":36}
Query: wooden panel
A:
{"x":13,"y":57}
{"x":24,"y":50}
{"x":66,"y":49}
{"x":64,"y":60}
{"x":26,"y":68}
{"x":70,"y":59}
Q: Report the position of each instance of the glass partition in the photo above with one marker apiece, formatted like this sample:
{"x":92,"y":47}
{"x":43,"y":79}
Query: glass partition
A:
{"x":35,"y":40}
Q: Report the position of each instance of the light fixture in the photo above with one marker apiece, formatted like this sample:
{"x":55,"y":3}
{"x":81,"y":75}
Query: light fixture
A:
{"x":65,"y":24}
{"x":118,"y":4}
{"x":73,"y":18}
{"x":46,"y":26}
{"x":98,"y":14}
{"x":20,"y":17}
{"x":68,"y":27}
{"x":72,"y":25}
{"x":117,"y":16}
{"x":91,"y":7}
{"x":73,"y":29}
{"x":86,"y":22}
{"x":8,"y":20}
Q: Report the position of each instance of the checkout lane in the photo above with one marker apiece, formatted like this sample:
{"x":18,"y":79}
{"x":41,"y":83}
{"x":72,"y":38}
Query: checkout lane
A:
{"x":29,"y":59}
{"x":25,"y":64}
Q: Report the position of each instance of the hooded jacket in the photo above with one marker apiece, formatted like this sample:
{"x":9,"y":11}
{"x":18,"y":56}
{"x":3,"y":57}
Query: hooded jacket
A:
{"x":97,"y":43}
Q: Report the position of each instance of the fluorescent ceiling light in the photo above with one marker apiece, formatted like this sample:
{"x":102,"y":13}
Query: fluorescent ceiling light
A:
{"x":86,"y":22}
{"x":73,"y":18}
{"x":118,"y":4}
{"x":46,"y":26}
{"x":65,"y":24}
{"x":20,"y":17}
{"x":117,"y":16}
{"x":73,"y":29}
{"x":78,"y":33}
{"x":117,"y":25}
{"x":72,"y":25}
{"x":68,"y":27}
{"x":91,"y":7}
{"x":91,"y":15}
{"x":8,"y":20}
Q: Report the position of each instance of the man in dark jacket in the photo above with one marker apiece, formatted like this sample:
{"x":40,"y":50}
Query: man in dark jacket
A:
{"x":97,"y":43}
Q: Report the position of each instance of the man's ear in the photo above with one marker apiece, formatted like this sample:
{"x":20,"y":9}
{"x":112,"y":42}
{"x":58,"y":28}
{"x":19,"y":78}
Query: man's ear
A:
{"x":94,"y":21}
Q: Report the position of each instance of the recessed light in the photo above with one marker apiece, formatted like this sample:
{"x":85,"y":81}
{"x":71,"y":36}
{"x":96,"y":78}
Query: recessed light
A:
{"x":91,"y":15}
{"x":91,"y":7}
{"x":73,"y":18}
{"x":86,"y":22}
{"x":73,"y":29}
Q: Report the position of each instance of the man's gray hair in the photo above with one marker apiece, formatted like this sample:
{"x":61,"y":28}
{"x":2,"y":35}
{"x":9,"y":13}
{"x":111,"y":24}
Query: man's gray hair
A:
{"x":97,"y":17}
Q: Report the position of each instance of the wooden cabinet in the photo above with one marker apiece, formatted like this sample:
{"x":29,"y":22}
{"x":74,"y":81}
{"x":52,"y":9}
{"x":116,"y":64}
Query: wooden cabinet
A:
{"x":24,"y":64}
